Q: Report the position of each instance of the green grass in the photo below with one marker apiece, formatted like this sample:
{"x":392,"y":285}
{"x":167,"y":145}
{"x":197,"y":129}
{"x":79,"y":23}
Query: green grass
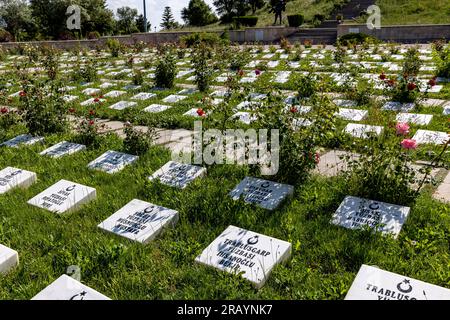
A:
{"x":398,"y":12}
{"x":325,"y":258}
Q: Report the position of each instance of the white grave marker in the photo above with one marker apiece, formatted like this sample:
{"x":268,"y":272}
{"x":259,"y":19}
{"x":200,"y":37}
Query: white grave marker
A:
{"x":356,"y":213}
{"x":25,"y":139}
{"x":112,"y":161}
{"x":362,"y":130}
{"x":178,"y":175}
{"x":266,"y":194}
{"x":414,"y":118}
{"x":140,"y":221}
{"x":157,"y":108}
{"x":63,"y":148}
{"x":8,"y":259}
{"x":15,"y":178}
{"x":237,"y":250}
{"x":431,"y":137}
{"x":64,"y":196}
{"x":67,"y":288}
{"x":372,"y":283}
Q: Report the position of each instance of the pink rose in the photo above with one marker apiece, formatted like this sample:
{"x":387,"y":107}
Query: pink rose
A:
{"x":402,"y":128}
{"x":409,"y":144}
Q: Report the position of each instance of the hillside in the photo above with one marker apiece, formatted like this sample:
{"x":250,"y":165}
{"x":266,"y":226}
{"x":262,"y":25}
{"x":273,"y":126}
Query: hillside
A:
{"x":394,"y":12}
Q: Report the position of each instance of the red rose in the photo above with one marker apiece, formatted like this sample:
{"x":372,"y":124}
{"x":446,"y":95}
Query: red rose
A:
{"x":200,"y":112}
{"x":91,"y":112}
{"x":72,"y":110}
{"x":240,"y":73}
{"x":412,"y":86}
{"x":4,"y":110}
{"x":317,"y":158}
{"x":383,"y":76}
{"x":96,"y":100}
{"x":294,"y":110}
{"x":432,"y":82}
{"x":91,"y":122}
{"x":391,"y":82}
{"x":22,"y":93}
{"x":257,"y":72}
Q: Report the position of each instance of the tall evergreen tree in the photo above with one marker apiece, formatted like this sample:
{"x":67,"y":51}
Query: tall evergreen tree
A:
{"x":127,"y":20}
{"x":168,"y":21}
{"x":198,"y":13}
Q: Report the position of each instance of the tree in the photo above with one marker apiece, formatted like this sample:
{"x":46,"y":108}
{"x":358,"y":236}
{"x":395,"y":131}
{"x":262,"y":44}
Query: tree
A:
{"x":168,"y":22}
{"x":228,"y":9}
{"x":198,"y":13}
{"x":127,"y":20}
{"x":256,"y":4}
{"x":140,"y":23}
{"x":17,"y":19}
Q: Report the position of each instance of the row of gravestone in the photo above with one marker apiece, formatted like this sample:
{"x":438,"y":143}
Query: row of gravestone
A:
{"x":235,"y":250}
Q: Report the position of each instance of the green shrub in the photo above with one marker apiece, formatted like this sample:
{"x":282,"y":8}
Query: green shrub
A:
{"x":246,"y":21}
{"x":210,"y":39}
{"x":138,"y":142}
{"x":5,"y":36}
{"x":203,"y":69}
{"x":114,"y":47}
{"x":295,"y":20}
{"x":93,"y":35}
{"x":86,"y":72}
{"x":166,"y":70}
{"x":442,"y":58}
{"x":357,"y":38}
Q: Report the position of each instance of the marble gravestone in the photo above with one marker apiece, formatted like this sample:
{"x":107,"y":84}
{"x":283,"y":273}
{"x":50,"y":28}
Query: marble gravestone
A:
{"x":237,"y":250}
{"x":431,"y":137}
{"x":140,"y":221}
{"x":24,"y":139}
{"x":397,"y":106}
{"x":362,"y":130}
{"x":63,"y":148}
{"x":114,"y":94}
{"x":265,"y":194}
{"x":67,"y":288}
{"x":15,"y":178}
{"x":174,"y":98}
{"x":143,"y":96}
{"x":8,"y":259}
{"x":112,"y":161}
{"x":64,"y":196}
{"x":357,"y":213}
{"x":352,"y":114}
{"x":372,"y":283}
{"x":157,"y":108}
{"x":121,"y":105}
{"x":414,"y":118}
{"x":178,"y":175}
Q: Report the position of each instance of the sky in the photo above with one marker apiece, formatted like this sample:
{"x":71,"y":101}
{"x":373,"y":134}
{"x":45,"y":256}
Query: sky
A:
{"x":155,"y":8}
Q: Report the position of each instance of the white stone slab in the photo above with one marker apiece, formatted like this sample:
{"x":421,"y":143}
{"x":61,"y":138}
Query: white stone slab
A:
{"x":140,"y":221}
{"x":114,"y":94}
{"x":245,"y":117}
{"x":446,"y":111}
{"x":92,"y":101}
{"x":178,"y":175}
{"x":254,"y":255}
{"x":345,"y":103}
{"x":121,"y":105}
{"x":8,"y":259}
{"x":352,"y":114}
{"x":414,"y":118}
{"x":372,"y":283}
{"x":174,"y":98}
{"x":192,"y":113}
{"x":357,"y":213}
{"x":430,"y":137}
{"x":24,"y":139}
{"x":248,"y":79}
{"x":112,"y":161}
{"x":15,"y":178}
{"x":69,"y":98}
{"x":154,"y":108}
{"x":64,"y":196}
{"x":143,"y":96}
{"x":67,"y":288}
{"x":397,"y":106}
{"x":362,"y":130}
{"x":90,"y":91}
{"x":63,"y":148}
{"x":187,"y":91}
{"x":266,"y":194}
